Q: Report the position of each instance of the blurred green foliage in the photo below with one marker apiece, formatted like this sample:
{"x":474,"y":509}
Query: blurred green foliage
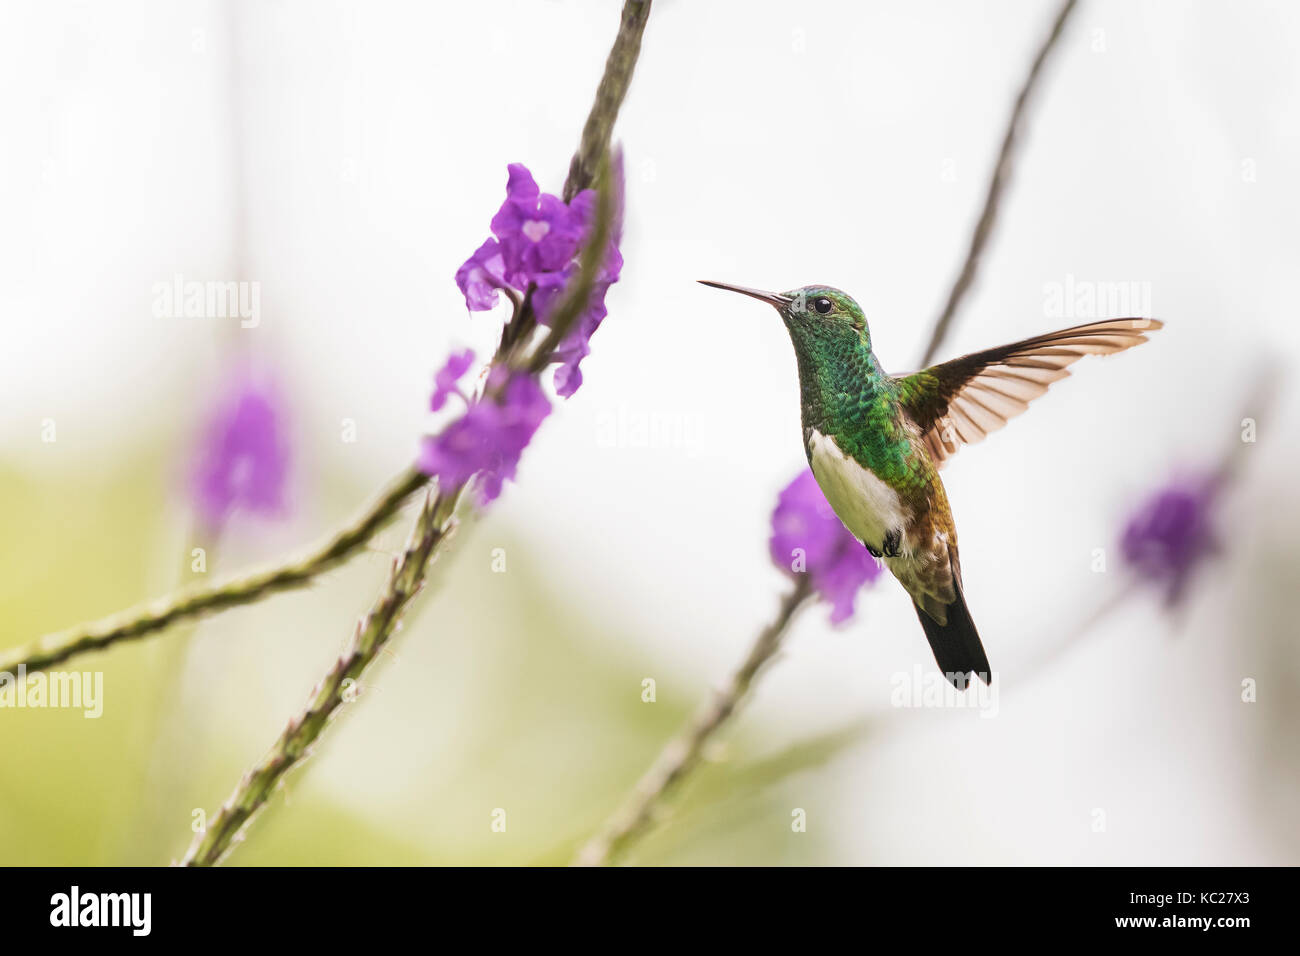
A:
{"x":501,"y":692}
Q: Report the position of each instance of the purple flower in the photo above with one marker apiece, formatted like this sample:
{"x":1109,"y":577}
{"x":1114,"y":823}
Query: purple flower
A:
{"x":481,"y":275}
{"x":244,"y":457}
{"x":489,"y":438}
{"x":538,"y":238}
{"x":538,"y":232}
{"x":808,"y":537}
{"x":444,"y":383}
{"x":1169,"y":534}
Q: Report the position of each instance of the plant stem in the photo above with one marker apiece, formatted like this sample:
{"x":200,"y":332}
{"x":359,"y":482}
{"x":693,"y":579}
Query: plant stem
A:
{"x":997,"y":185}
{"x":373,"y":632}
{"x":146,"y":619}
{"x":684,"y":751}
{"x":609,"y":98}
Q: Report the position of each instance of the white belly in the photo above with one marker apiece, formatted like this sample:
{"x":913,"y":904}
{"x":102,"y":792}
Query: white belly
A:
{"x":869,"y":508}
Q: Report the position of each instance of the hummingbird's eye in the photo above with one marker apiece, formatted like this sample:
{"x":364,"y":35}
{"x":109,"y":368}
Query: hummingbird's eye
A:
{"x":823,"y":305}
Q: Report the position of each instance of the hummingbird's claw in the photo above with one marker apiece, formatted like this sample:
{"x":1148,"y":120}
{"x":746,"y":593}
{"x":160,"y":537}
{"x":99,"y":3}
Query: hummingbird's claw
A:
{"x":890,"y":548}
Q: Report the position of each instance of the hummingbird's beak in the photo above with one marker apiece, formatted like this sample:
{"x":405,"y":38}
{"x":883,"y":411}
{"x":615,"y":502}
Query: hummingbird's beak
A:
{"x":771,"y":298}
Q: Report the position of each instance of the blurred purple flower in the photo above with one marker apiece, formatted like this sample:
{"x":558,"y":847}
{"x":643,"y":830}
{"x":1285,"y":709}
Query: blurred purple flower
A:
{"x":489,"y":438}
{"x":1169,"y":533}
{"x":445,"y":382}
{"x":538,"y":237}
{"x":244,"y":458}
{"x":807,"y":536}
{"x":585,"y":201}
{"x":575,"y":348}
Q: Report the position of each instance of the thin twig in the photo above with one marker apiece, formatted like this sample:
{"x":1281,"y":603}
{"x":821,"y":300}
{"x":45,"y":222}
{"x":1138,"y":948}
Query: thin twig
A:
{"x":997,"y":185}
{"x":609,"y":98}
{"x":641,"y":807}
{"x":145,"y":619}
{"x":432,"y":527}
{"x":373,"y":632}
{"x":684,"y":751}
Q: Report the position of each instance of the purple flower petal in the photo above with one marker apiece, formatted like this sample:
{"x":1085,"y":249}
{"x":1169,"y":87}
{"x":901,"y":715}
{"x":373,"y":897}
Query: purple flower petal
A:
{"x":481,"y":275}
{"x":574,"y":349}
{"x":520,"y":183}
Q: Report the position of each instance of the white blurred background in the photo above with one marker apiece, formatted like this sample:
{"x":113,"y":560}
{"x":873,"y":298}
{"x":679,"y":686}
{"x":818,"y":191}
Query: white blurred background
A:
{"x":348,"y":157}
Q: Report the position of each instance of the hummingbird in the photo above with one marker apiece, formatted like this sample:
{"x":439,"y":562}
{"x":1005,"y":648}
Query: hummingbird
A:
{"x":876,"y":442}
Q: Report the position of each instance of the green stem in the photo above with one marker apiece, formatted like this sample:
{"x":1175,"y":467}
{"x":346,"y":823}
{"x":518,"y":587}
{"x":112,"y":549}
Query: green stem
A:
{"x":682,"y":754}
{"x":997,"y":185}
{"x":609,"y":98}
{"x":373,"y":632}
{"x":146,"y":619}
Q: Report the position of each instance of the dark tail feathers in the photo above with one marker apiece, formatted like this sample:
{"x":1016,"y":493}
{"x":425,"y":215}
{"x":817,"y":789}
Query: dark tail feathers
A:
{"x":956,"y":645}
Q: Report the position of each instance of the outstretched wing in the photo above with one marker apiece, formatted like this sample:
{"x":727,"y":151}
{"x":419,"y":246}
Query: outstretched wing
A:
{"x":959,"y":402}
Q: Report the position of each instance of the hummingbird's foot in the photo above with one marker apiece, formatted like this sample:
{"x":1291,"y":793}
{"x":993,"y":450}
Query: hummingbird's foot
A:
{"x":872,"y":551}
{"x":893,"y":541}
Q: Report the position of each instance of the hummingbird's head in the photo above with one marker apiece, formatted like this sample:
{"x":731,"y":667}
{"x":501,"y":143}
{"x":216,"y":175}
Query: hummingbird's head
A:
{"x":815,"y":314}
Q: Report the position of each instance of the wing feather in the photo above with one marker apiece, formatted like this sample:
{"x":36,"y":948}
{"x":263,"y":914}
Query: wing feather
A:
{"x":962,"y":401}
